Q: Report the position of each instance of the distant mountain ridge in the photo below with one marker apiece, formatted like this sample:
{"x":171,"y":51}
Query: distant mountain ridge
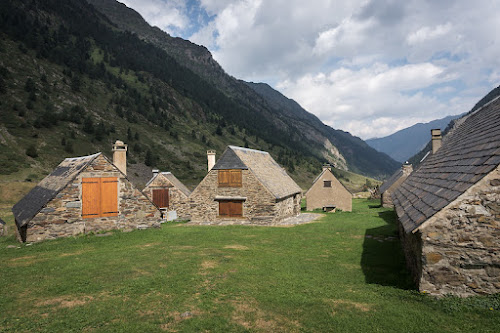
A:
{"x":407,"y":142}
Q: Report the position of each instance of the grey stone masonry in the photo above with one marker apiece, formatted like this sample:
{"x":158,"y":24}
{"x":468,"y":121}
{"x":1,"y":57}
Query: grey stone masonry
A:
{"x":259,"y":205}
{"x":62,"y":216}
{"x":457,"y":251}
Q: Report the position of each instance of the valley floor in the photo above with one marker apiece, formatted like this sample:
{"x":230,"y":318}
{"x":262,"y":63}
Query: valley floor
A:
{"x":343,"y":273}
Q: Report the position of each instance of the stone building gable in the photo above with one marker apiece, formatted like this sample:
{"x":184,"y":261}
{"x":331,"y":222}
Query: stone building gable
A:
{"x":177,"y":192}
{"x":49,"y":187}
{"x":337,"y":195}
{"x":457,"y":251}
{"x":62,"y":215}
{"x":259,"y":205}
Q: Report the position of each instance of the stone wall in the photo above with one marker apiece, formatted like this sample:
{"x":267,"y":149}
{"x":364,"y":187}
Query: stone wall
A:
{"x":286,"y":207}
{"x":259,"y":207}
{"x":176,"y":198}
{"x":62,"y":216}
{"x":460,"y":251}
{"x":319,"y":196}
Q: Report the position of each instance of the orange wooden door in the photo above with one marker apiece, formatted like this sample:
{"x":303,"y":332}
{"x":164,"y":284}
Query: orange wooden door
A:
{"x":91,"y":197}
{"x":109,"y":196}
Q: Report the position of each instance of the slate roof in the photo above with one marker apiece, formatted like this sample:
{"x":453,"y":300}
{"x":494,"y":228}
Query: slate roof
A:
{"x":49,"y":187}
{"x":392,"y":179}
{"x":229,"y":160}
{"x":263,"y":166}
{"x":470,"y":151}
{"x":176,"y":182}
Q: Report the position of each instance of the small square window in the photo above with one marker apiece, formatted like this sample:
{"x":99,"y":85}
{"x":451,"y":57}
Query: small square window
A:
{"x":327,"y":183}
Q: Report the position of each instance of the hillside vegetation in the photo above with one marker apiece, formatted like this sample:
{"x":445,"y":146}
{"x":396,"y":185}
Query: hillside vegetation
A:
{"x":72,"y":82}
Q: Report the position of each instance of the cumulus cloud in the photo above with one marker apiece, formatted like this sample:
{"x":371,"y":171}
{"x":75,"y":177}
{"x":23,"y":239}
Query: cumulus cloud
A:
{"x":367,"y":66}
{"x":426,"y":33}
{"x":169,"y":16}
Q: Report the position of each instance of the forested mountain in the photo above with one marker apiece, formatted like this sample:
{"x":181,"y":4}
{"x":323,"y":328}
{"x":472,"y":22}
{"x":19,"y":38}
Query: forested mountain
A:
{"x":73,"y":80}
{"x":407,"y":142}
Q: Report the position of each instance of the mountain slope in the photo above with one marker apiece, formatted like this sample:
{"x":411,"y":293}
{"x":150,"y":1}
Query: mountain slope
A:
{"x":405,"y":143}
{"x":72,"y":82}
{"x":338,"y":147}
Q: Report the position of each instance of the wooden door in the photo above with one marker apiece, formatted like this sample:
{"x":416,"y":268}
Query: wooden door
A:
{"x":161,"y":198}
{"x":230,"y":208}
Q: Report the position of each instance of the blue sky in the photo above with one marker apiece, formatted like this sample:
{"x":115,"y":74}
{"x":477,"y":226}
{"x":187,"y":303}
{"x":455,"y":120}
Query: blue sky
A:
{"x":370,"y":67}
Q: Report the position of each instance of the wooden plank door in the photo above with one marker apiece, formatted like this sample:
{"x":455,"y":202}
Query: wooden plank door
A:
{"x":161,"y":198}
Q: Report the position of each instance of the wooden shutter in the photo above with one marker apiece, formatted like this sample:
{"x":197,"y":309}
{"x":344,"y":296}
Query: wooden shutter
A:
{"x":230,"y":208}
{"x":109,"y":196}
{"x":99,"y":197}
{"x":224,"y":208}
{"x":229,"y":178}
{"x":223,"y":176}
{"x":160,"y":198}
{"x":235,"y":180}
{"x":236,"y":208}
{"x":91,"y":197}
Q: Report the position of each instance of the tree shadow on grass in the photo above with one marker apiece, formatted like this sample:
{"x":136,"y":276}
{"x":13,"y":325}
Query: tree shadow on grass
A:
{"x":383,"y":259}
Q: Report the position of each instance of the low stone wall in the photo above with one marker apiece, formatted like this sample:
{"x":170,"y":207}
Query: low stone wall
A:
{"x":62,"y":216}
{"x":461,"y":243}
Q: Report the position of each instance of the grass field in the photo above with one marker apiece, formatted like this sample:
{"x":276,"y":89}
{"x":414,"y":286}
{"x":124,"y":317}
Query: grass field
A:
{"x":344,"y":273}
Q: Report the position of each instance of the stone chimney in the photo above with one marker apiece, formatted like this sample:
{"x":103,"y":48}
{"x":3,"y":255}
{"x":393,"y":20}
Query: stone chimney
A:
{"x":210,"y":159}
{"x":436,"y":139}
{"x":120,"y":156}
{"x":407,"y":169}
{"x":327,"y":166}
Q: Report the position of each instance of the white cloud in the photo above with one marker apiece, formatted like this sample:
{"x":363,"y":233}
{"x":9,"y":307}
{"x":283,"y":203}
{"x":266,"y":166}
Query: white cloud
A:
{"x":426,"y":33}
{"x":170,"y":16}
{"x":359,"y":65}
{"x":372,"y":101}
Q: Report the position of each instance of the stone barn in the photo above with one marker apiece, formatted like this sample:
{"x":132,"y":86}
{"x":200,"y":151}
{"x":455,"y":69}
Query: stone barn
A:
{"x":167,"y":192}
{"x":82,"y":195}
{"x":391,"y":184}
{"x":245,"y":186}
{"x":449,"y":210}
{"x":328,"y":193}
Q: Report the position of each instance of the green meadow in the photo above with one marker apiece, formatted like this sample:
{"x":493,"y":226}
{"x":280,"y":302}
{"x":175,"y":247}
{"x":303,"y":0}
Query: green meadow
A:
{"x":343,"y":273}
